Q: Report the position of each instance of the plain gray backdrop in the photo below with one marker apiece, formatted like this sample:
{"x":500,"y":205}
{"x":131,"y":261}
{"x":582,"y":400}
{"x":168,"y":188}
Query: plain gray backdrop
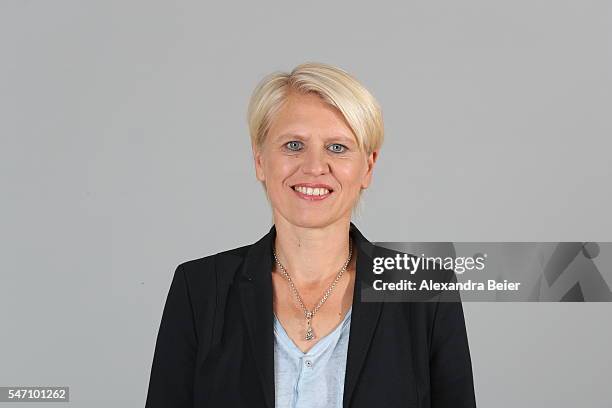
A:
{"x":125,"y":151}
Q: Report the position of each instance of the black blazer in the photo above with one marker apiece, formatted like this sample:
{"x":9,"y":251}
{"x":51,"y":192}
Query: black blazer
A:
{"x":215,"y":345}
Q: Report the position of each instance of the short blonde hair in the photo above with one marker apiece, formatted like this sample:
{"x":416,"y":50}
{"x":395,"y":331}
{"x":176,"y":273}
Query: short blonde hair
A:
{"x":334,"y":85}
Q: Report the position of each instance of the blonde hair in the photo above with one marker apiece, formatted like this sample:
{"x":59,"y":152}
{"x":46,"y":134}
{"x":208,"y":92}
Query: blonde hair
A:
{"x":335,"y":86}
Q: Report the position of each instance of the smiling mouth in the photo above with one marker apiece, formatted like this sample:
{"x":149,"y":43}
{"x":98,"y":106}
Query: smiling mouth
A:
{"x":312,"y":193}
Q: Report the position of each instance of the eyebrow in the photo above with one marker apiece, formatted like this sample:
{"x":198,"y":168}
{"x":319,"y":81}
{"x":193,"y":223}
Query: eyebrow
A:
{"x":292,"y":134}
{"x":297,"y":135}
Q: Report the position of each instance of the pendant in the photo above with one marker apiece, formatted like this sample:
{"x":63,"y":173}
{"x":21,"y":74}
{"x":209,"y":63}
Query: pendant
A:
{"x":309,"y":333}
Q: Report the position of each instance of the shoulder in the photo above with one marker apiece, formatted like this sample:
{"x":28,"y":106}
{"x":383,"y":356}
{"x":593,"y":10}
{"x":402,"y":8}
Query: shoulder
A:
{"x":205,"y":271}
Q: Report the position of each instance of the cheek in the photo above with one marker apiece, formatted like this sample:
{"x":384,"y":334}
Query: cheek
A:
{"x":351,"y":175}
{"x":277,"y":170}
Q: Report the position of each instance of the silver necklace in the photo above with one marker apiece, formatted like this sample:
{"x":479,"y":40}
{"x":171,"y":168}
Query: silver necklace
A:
{"x":309,"y":314}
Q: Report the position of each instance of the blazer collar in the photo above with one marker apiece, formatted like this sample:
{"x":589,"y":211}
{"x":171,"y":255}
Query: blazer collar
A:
{"x":255,"y":284}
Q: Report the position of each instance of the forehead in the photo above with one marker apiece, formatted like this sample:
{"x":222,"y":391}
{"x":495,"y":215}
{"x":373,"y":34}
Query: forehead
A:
{"x":309,"y":113}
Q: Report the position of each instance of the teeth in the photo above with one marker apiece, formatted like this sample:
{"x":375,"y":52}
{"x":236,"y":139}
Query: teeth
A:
{"x":311,"y":191}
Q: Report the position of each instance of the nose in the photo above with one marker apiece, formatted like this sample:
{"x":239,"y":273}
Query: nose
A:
{"x":315,"y":163}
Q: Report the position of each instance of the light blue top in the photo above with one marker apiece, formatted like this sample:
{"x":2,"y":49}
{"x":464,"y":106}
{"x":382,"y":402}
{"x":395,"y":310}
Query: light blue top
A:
{"x":313,"y":379}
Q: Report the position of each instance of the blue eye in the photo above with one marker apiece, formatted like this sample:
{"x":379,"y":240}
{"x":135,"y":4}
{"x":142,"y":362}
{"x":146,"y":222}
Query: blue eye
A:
{"x":337,"y":148}
{"x":294,"y":145}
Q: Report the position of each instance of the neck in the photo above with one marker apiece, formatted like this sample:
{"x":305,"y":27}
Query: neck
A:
{"x":311,"y":255}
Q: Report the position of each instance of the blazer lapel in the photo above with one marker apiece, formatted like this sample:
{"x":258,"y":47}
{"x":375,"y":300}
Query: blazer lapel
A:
{"x":363,"y":318}
{"x":256,"y":297}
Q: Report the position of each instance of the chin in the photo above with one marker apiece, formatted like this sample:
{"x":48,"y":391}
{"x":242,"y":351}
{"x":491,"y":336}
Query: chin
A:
{"x":309,"y":222}
{"x":312,"y":220}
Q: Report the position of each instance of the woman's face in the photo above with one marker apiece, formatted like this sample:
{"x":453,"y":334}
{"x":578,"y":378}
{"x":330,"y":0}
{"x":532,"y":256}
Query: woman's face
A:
{"x":311,"y":164}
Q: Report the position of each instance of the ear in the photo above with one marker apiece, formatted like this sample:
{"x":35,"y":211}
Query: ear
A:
{"x":257,"y":158}
{"x":371,"y":160}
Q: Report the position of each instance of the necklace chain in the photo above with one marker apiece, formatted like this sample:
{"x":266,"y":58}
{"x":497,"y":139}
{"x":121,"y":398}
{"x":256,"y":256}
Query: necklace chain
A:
{"x":309,"y":314}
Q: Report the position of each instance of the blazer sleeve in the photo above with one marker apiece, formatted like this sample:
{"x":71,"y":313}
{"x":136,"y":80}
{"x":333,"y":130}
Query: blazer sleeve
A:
{"x":451,"y":379}
{"x":172,"y":371}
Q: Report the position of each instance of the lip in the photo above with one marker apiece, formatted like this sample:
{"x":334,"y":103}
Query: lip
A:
{"x":312,"y":197}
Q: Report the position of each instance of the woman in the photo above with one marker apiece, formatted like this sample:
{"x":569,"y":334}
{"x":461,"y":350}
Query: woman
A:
{"x":279,"y":323}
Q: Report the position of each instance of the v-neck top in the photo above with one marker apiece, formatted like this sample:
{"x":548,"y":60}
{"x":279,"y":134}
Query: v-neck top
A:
{"x":313,"y":379}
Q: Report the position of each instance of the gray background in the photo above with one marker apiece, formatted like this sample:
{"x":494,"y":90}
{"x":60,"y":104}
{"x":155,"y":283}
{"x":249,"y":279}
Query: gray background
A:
{"x":124,"y":151}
